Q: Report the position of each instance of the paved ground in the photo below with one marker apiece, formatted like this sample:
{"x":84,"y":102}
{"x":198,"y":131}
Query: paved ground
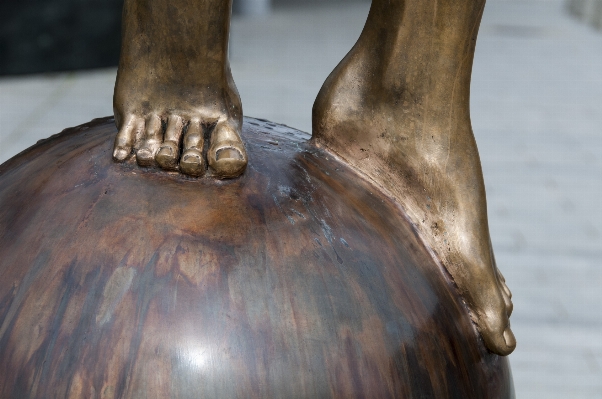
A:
{"x":537,"y":116}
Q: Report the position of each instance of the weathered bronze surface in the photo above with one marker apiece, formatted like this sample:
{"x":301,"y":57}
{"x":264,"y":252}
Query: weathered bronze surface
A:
{"x":396,"y":109}
{"x":121,"y":282}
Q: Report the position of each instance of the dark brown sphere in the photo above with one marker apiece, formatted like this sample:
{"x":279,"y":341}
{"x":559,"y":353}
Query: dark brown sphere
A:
{"x":297,"y":280}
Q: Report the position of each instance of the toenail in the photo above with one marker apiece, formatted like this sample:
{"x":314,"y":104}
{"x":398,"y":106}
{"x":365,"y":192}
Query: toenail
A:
{"x":191,"y":158}
{"x":228,"y":152}
{"x":166,"y":151}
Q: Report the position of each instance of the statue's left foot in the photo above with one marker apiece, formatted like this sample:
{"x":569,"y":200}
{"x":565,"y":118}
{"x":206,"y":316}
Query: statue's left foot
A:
{"x":399,"y":114}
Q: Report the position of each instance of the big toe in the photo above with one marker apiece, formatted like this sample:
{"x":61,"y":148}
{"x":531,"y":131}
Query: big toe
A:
{"x":501,"y":344}
{"x":229,"y":162}
{"x":497,"y":334}
{"x":227,"y":156}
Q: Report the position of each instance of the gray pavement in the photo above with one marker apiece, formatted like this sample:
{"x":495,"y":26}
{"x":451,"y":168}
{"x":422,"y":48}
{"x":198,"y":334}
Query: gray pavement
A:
{"x":537,"y":116}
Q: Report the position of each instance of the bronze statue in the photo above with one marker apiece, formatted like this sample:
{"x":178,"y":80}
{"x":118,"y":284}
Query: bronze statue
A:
{"x":352,"y":264}
{"x":396,"y":109}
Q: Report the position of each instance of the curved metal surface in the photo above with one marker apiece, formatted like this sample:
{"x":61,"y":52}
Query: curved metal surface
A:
{"x":299,"y":279}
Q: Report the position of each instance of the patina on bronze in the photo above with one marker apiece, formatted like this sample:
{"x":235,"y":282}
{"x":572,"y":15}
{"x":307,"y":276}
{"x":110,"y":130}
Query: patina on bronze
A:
{"x":396,"y":109}
{"x":299,"y":279}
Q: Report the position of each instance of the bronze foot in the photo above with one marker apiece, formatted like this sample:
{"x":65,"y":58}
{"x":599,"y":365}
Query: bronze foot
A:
{"x":173,"y":83}
{"x":397,"y":109}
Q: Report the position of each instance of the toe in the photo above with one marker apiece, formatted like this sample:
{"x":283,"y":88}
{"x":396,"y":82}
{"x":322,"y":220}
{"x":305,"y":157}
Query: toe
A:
{"x":506,"y":294}
{"x":501,"y":343}
{"x":169,"y":151}
{"x":509,"y":305}
{"x":145,"y":156}
{"x":192,"y":162}
{"x":509,"y":339}
{"x":227,"y":155}
{"x":503,"y":284}
{"x":505,"y":288}
{"x":494,"y":327}
{"x":128,"y":132}
{"x":167,"y":156}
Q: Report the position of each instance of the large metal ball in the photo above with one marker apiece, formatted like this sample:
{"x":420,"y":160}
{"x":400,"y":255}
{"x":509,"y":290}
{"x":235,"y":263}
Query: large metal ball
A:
{"x":299,"y":279}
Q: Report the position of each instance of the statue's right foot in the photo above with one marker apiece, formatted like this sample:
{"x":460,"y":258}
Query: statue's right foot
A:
{"x":154,"y":145}
{"x":174,"y":88}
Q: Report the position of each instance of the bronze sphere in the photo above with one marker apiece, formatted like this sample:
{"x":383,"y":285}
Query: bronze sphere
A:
{"x":297,"y":280}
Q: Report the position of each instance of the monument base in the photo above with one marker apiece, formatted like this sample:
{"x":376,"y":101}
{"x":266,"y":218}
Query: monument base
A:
{"x":299,"y":279}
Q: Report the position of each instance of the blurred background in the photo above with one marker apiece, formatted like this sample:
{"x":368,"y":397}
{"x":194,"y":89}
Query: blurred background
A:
{"x":536,"y":107}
